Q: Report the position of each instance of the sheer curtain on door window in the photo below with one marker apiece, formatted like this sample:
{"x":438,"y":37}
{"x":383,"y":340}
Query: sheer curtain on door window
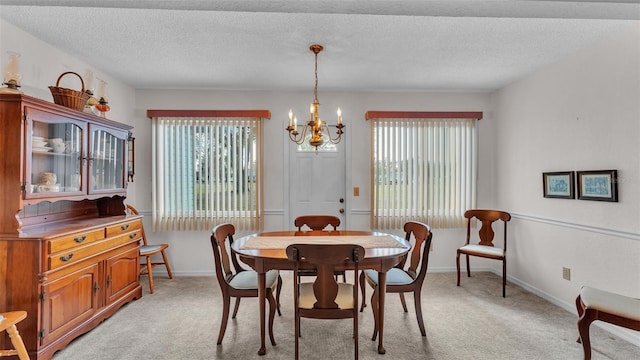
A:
{"x":424,"y":167}
{"x":207,"y":169}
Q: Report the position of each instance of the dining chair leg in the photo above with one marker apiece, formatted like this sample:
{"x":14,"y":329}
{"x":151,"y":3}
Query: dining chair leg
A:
{"x":226,"y":302}
{"x":583,"y":329}
{"x":504,"y":277}
{"x":296,"y":315}
{"x":374,"y":309}
{"x":468,"y":266}
{"x":355,"y":334}
{"x":458,"y":267}
{"x":235,"y":308}
{"x":272,"y":314}
{"x":16,"y":341}
{"x":363,"y":291}
{"x":418,"y":305}
{"x":150,"y":273}
{"x":584,"y":322}
{"x":403,"y":301}
{"x":166,"y":264}
{"x":278,"y":289}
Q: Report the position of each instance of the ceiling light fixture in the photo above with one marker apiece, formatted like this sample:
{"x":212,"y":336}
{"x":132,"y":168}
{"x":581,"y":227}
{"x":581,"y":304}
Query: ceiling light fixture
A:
{"x":315,"y":124}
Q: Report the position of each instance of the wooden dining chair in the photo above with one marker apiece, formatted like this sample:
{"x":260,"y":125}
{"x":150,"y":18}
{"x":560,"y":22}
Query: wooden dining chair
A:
{"x":239,"y":282}
{"x":8,"y":321}
{"x":318,"y":223}
{"x":147,"y":251}
{"x":325,"y":298}
{"x":401,"y":280}
{"x":485,"y":247}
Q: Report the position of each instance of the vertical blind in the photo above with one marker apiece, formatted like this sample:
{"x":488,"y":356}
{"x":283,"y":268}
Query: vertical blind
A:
{"x":423,"y":169}
{"x":206,"y":171}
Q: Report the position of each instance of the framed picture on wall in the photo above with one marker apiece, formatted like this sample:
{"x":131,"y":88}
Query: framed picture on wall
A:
{"x":558,"y":184}
{"x":600,"y":185}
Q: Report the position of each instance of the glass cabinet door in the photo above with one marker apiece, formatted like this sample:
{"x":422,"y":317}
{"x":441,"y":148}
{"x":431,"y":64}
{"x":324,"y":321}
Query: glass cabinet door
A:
{"x":107,"y":157}
{"x":54,"y":156}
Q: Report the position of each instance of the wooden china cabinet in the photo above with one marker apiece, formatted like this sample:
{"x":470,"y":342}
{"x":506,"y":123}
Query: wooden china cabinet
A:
{"x":69,"y":255}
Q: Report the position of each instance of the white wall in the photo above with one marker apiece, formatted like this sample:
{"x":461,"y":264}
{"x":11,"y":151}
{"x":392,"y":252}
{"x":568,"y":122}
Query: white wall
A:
{"x":41,"y":64}
{"x":582,"y":113}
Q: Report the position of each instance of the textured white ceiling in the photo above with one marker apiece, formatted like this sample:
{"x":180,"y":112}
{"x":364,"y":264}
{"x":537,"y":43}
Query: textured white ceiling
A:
{"x":369,"y":45}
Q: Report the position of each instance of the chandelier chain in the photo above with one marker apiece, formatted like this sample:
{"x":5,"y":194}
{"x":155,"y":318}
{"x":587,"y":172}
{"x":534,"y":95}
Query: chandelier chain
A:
{"x":315,"y":89}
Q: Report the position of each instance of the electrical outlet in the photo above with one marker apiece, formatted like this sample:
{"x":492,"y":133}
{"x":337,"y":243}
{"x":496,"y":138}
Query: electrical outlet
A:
{"x":566,"y":273}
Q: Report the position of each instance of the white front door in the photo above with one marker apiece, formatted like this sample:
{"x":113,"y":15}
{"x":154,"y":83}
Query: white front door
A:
{"x":317,"y":181}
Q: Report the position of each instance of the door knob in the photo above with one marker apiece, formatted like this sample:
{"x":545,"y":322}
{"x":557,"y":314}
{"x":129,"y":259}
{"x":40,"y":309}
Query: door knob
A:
{"x":341,"y":210}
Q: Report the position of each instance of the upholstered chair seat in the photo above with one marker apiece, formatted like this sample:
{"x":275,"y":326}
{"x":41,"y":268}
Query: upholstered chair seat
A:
{"x":249,"y":279}
{"x":395,"y":276}
{"x":482,"y":249}
{"x":615,"y":304}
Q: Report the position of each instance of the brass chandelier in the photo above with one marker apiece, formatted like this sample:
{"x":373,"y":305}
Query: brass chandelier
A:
{"x":315,"y":125}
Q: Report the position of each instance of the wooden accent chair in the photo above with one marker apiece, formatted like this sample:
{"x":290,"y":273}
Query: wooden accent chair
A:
{"x":401,"y":280}
{"x":242,"y":283}
{"x":485,"y":247}
{"x":318,"y":223}
{"x":325,"y":298}
{"x":147,"y":251}
{"x":8,"y":322}
{"x":594,"y":304}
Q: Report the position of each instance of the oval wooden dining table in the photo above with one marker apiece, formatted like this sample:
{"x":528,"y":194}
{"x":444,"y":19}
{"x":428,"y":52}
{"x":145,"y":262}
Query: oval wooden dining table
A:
{"x":267,"y":251}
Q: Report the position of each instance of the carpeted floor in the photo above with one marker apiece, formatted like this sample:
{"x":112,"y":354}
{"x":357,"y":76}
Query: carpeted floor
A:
{"x":181,"y":322}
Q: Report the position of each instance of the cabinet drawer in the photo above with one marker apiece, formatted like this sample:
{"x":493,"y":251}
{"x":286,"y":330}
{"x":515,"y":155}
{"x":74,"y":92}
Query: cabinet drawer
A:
{"x":124,"y":227}
{"x":75,"y":240}
{"x":77,"y":254}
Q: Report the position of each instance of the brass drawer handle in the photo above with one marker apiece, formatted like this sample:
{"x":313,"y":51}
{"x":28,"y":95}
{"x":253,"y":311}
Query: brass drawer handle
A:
{"x":66,"y":258}
{"x":133,"y":235}
{"x":80,"y":239}
{"x":124,"y":227}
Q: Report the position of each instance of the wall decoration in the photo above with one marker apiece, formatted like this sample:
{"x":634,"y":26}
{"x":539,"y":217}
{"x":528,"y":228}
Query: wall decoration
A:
{"x":558,"y":185}
{"x":600,"y":185}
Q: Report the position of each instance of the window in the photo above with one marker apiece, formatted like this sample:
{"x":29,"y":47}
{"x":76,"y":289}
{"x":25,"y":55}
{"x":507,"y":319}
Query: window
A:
{"x":424,"y":167}
{"x":327,"y":146}
{"x":207,"y":169}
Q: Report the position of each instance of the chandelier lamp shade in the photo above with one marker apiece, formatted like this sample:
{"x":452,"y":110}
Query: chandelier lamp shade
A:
{"x":315,"y":126}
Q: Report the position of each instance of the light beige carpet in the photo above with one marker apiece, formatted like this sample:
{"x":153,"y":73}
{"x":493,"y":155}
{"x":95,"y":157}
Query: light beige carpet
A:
{"x":181,"y":321}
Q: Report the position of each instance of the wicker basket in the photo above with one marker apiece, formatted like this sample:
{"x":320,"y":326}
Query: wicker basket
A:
{"x":70,"y":98}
